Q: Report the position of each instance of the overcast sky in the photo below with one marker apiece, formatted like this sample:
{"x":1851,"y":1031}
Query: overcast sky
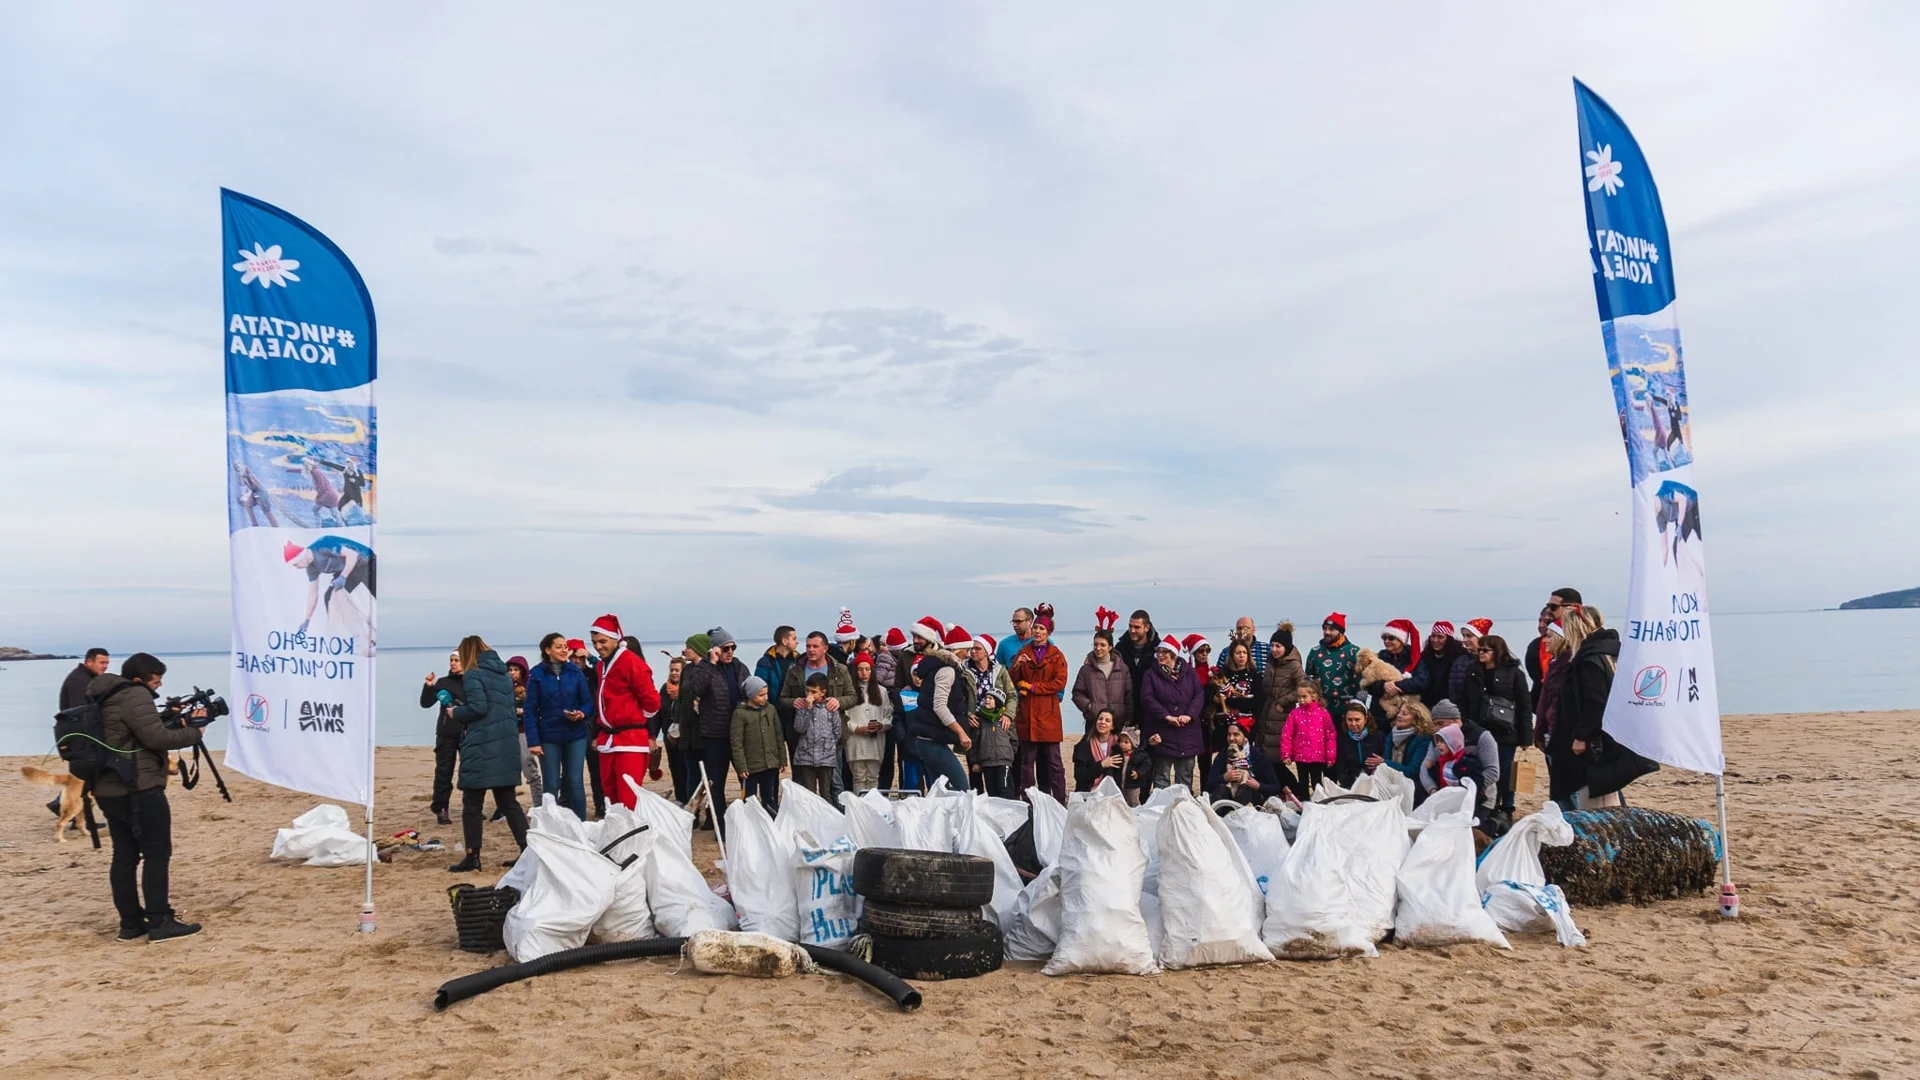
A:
{"x":738,"y":313}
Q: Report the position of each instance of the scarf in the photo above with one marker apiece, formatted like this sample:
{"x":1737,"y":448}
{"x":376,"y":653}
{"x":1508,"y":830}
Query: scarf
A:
{"x":983,"y":681}
{"x":1400,"y":736}
{"x":1102,"y":749}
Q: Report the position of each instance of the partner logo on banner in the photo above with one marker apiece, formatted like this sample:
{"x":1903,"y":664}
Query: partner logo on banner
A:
{"x":303,"y":496}
{"x":1666,"y":628}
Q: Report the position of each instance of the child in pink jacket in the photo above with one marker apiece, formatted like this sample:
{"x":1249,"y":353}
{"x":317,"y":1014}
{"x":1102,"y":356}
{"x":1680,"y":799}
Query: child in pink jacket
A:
{"x":1307,"y":741}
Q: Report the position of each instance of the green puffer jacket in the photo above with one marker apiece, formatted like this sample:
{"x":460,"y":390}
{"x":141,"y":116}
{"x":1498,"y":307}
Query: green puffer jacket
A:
{"x":133,"y":723}
{"x":489,"y":736}
{"x":758,"y":744}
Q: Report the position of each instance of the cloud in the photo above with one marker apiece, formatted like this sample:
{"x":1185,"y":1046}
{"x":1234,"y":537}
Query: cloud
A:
{"x":462,"y":246}
{"x":865,"y":489}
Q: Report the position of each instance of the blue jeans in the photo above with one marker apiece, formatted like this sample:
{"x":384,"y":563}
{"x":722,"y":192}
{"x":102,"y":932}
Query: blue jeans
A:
{"x":938,"y":760}
{"x":566,"y":764}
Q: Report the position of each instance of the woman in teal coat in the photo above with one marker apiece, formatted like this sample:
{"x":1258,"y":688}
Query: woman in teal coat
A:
{"x":489,"y":748}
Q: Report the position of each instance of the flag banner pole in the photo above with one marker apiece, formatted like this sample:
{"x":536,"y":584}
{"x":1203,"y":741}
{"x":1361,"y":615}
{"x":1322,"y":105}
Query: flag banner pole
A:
{"x":302,"y":496}
{"x":1665,"y":701}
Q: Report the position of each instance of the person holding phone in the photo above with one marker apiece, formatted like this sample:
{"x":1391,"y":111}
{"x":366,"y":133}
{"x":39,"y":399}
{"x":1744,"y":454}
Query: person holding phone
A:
{"x":446,"y":732}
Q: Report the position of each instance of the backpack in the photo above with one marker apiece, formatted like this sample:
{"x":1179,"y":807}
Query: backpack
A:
{"x":80,"y":733}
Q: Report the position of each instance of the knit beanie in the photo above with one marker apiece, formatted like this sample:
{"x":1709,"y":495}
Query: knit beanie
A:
{"x":1445,"y":710}
{"x":700,"y":643}
{"x":752,"y":685}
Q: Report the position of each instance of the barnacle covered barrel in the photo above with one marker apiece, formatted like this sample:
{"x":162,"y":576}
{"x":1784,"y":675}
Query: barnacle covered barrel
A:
{"x":1633,"y":855}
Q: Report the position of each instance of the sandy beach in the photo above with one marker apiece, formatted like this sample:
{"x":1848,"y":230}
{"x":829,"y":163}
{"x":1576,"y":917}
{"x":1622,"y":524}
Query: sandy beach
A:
{"x":1821,"y":975}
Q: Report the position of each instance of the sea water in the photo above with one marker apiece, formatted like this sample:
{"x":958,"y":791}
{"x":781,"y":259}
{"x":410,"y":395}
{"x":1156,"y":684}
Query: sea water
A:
{"x":1803,"y":661}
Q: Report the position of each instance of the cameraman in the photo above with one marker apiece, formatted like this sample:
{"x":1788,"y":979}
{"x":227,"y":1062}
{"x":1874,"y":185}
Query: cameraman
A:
{"x":138,"y":818}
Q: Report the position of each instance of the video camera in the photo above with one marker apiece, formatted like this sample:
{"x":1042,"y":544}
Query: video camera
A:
{"x":178,"y":711}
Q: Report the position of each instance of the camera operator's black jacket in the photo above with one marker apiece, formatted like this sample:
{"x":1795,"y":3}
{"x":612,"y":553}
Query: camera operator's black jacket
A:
{"x":133,"y":723}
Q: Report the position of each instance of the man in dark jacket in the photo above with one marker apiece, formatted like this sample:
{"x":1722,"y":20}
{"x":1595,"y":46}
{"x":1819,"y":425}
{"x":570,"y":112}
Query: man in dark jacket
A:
{"x":772,"y":669}
{"x":73,"y":693}
{"x":1241,"y":773}
{"x":138,"y":818}
{"x":1136,"y":647}
{"x":715,"y":685}
{"x":1537,"y":655}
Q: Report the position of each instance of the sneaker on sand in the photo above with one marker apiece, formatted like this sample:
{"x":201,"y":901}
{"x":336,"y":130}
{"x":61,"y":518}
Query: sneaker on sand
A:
{"x":132,"y":932}
{"x":172,"y":928}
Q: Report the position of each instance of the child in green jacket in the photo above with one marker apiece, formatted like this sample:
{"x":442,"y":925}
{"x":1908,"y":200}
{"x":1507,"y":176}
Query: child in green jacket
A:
{"x":759,"y":747}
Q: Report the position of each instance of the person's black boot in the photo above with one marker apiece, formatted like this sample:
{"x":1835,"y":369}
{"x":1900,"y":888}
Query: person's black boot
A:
{"x":440,"y":818}
{"x":170,"y":928}
{"x":132,"y":931}
{"x":467,"y":865}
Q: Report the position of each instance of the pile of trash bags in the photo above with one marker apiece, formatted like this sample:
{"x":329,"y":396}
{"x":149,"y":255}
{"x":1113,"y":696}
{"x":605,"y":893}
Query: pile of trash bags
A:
{"x":1118,"y":889}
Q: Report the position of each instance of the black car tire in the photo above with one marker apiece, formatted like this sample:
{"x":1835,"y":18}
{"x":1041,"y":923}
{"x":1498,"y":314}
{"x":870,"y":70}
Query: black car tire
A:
{"x":918,"y":921}
{"x":932,"y":959}
{"x":923,"y":878}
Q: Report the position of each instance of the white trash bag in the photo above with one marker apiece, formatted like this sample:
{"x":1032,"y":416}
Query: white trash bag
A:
{"x":927,"y":824}
{"x":759,"y":869}
{"x":1210,"y":906}
{"x":823,"y":882}
{"x":1263,"y":842}
{"x":1438,"y":901}
{"x":1005,"y":815}
{"x":321,"y":837}
{"x":555,"y":820}
{"x":1389,"y":785}
{"x":1034,"y":927}
{"x":1513,"y":885}
{"x":682,"y":903}
{"x":870,"y":820}
{"x":975,"y":835}
{"x":1447,"y":800}
{"x":628,"y":916}
{"x":668,"y":821}
{"x":801,"y":811}
{"x":1102,"y":866}
{"x":570,"y":890}
{"x":1336,"y":889}
{"x":1049,"y":825}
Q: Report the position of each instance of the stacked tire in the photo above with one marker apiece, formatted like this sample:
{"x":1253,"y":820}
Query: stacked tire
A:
{"x":921,"y":911}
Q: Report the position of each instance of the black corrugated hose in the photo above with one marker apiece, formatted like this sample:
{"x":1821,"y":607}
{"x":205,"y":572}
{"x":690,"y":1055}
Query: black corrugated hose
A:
{"x":480,"y":982}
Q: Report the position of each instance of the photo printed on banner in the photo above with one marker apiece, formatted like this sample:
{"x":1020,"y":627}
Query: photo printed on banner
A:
{"x":301,"y":459}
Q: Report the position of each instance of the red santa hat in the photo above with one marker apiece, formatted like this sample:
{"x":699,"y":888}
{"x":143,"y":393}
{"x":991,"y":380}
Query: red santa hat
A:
{"x":608,"y":625}
{"x":291,"y":551}
{"x":957,"y":638}
{"x":930,"y":629}
{"x":986,"y":641}
{"x":1408,"y":634}
{"x":844,"y":630}
{"x":1192,"y":644}
{"x":896,"y":638}
{"x":1480,"y":627}
{"x":1172,"y":645}
{"x":1335,"y":618}
{"x":1442,"y":627}
{"x":574,"y":644}
{"x":862,"y":658}
{"x":1556,"y":630}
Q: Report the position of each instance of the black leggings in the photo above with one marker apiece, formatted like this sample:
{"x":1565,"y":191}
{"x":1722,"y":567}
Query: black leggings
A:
{"x":472,"y":801}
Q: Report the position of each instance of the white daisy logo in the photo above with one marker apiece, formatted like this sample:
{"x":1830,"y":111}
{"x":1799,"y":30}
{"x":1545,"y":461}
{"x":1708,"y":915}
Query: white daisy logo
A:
{"x":1602,"y":171}
{"x":266,"y":266}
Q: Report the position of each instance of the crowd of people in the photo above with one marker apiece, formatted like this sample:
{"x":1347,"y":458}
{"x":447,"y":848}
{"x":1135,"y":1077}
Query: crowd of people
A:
{"x":899,"y":710}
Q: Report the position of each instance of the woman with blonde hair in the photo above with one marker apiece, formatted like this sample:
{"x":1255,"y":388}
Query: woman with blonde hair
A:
{"x":1581,"y":700}
{"x":1407,"y":741}
{"x":489,"y":747}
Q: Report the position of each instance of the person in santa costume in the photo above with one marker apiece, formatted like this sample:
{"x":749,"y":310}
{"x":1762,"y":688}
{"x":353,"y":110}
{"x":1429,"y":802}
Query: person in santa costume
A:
{"x":627,"y":699}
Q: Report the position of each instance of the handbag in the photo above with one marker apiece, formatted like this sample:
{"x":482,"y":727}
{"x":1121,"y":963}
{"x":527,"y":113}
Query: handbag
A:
{"x":1612,"y":765}
{"x":1497,"y":716}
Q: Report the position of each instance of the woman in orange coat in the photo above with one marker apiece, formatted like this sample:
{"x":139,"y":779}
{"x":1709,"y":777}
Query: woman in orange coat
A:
{"x":1040,"y":674}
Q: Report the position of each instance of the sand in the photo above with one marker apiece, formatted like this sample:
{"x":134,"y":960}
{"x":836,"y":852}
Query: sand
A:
{"x":1820,"y":976}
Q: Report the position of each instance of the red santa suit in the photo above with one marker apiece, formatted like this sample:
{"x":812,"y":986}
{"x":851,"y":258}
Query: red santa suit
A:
{"x":627,"y":700}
